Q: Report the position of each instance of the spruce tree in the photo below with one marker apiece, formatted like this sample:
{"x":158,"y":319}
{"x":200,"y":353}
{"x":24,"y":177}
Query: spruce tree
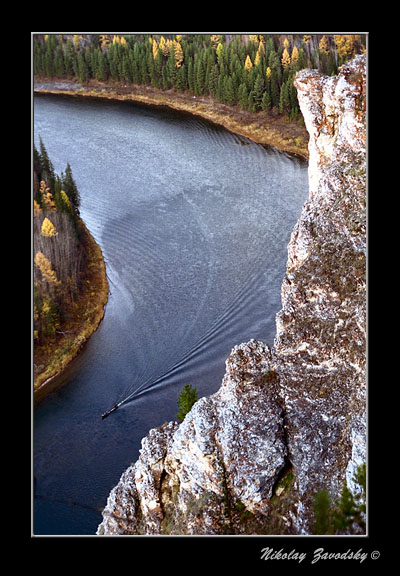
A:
{"x":258,"y":90}
{"x":47,"y":167}
{"x":229,"y":92}
{"x":243,"y":95}
{"x":83,"y":70}
{"x":70,"y":188}
{"x":69,"y":57}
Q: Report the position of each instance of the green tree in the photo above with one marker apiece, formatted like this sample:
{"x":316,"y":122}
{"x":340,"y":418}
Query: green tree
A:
{"x":70,"y":188}
{"x":69,"y":58}
{"x":59,"y":62}
{"x":322,"y":514}
{"x":83,"y":70}
{"x":229,"y":91}
{"x":346,"y":515}
{"x":266,"y":102}
{"x":242,"y":95}
{"x":284,"y":101}
{"x":258,"y":90}
{"x":186,"y":399}
{"x":47,"y":172}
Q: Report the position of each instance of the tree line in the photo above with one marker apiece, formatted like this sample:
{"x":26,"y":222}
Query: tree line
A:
{"x":254,"y":72}
{"x":58,"y":251}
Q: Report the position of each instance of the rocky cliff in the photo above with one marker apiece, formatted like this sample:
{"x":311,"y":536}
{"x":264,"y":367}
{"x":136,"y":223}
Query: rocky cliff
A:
{"x":289,"y":420}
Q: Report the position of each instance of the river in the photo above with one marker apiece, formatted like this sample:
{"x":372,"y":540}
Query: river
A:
{"x":193,"y":222}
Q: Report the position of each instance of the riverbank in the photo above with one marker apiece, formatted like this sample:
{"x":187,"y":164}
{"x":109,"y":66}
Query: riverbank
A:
{"x":270,"y":130}
{"x":52,"y":357}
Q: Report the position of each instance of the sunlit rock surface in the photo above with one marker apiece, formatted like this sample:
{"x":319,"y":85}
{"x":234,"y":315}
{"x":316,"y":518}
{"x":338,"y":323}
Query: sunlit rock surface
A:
{"x":291,"y":420}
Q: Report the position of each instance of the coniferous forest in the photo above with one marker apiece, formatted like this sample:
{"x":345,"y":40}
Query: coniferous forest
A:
{"x":253,"y":71}
{"x":69,"y":288}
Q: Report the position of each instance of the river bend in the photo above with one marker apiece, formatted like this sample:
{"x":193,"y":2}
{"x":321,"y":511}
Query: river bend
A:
{"x":193,"y":222}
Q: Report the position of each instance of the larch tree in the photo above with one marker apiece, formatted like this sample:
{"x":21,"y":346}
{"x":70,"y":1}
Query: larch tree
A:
{"x":285,"y":58}
{"x":248,"y":65}
{"x":46,"y":269}
{"x":48,"y":229}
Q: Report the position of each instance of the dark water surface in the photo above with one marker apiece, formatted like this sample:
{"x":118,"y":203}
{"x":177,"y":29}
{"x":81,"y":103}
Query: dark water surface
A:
{"x":193,"y":222}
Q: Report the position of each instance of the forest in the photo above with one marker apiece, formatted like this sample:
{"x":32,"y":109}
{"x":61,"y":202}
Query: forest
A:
{"x":253,"y":71}
{"x":58,"y":252}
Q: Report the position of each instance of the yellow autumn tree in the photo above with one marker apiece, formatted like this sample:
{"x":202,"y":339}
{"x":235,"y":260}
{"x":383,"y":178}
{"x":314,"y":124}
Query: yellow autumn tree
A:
{"x":285,"y":58}
{"x":48,"y":229}
{"x":260,"y":53}
{"x":248,"y":63}
{"x":76,"y":40}
{"x":154,"y":48}
{"x":323,"y":45}
{"x":47,"y":196}
{"x":178,"y":54}
{"x":295,"y":55}
{"x":36,"y":208}
{"x":46,"y":269}
{"x":346,"y":45}
{"x":66,"y":200}
{"x":215,"y":39}
{"x":104,"y":41}
{"x":164,"y":46}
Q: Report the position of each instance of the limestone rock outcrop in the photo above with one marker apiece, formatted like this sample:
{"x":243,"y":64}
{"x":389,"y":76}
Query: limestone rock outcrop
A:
{"x":290,"y":420}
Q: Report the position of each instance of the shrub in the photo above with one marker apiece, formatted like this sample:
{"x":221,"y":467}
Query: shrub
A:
{"x":186,"y":399}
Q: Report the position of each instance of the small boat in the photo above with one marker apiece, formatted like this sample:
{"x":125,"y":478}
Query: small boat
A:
{"x":105,"y":414}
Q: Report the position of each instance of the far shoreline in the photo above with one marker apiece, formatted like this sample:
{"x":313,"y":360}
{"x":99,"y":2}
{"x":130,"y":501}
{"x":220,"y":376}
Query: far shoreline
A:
{"x":276,"y":131}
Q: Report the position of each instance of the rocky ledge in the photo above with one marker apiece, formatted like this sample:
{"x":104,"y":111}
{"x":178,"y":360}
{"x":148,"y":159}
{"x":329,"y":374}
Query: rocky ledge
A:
{"x":290,"y":420}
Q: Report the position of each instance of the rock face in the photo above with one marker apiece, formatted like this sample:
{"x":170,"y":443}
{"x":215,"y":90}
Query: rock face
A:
{"x":291,"y":420}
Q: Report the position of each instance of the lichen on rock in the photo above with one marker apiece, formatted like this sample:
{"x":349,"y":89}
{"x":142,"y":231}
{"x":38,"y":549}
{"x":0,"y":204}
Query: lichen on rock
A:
{"x":297,"y":410}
